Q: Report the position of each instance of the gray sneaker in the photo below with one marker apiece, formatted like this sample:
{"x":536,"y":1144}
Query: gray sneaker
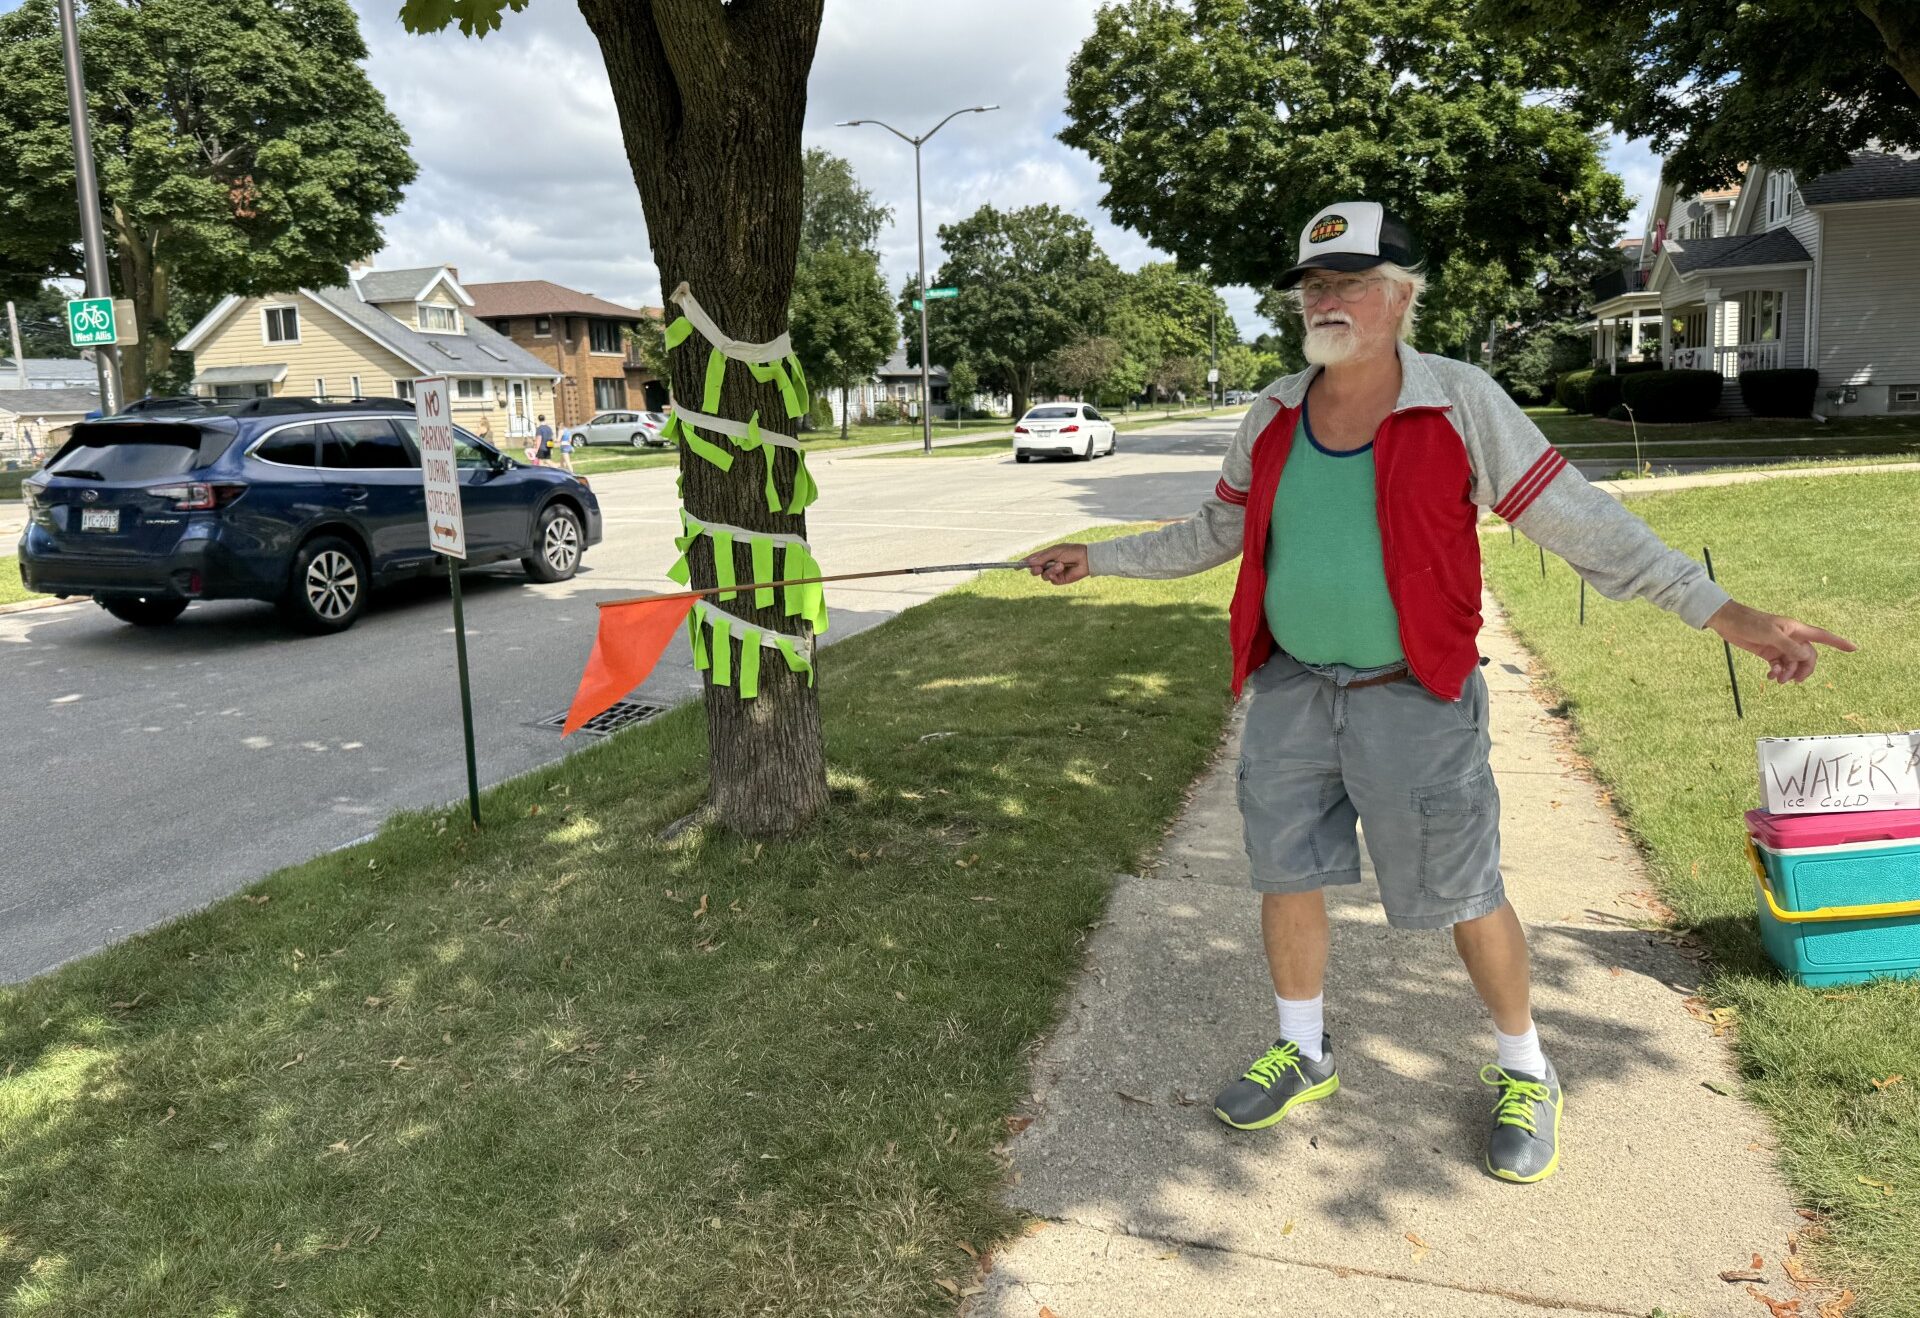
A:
{"x":1274,"y":1085}
{"x":1525,"y":1143}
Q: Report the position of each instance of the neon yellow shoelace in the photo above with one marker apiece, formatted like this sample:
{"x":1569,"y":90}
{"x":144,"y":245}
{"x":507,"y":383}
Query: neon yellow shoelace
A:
{"x":1274,"y":1064}
{"x":1514,"y":1107}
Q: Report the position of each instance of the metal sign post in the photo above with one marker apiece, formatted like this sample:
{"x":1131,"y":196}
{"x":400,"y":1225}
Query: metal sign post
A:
{"x":447,"y":532}
{"x":92,"y":238}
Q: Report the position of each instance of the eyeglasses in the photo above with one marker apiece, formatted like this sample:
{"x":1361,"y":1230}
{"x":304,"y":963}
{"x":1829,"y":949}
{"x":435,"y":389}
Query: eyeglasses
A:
{"x":1350,"y":288}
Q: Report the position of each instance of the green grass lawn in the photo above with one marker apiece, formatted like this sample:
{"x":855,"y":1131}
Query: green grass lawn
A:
{"x":11,"y":591}
{"x":565,"y":1067}
{"x":1564,"y":429}
{"x":1650,"y":701}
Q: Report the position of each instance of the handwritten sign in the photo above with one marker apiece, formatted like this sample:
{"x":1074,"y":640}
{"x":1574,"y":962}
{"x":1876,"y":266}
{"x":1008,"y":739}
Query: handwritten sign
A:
{"x":1834,"y":775}
{"x":446,"y":528}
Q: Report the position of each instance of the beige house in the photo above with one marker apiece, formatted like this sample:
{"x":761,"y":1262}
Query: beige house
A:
{"x":370,"y":338}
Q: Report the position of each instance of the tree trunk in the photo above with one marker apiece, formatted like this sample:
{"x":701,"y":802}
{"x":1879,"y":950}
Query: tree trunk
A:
{"x":145,"y":282}
{"x":1899,"y":27}
{"x":1021,"y":380}
{"x":710,"y":99}
{"x":844,"y":414}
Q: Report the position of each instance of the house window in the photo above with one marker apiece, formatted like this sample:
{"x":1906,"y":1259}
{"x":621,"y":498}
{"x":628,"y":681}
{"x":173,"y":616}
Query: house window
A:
{"x":604,"y":336}
{"x":433,"y":316}
{"x":543,"y":327}
{"x":1761,"y":313}
{"x":609,"y":395}
{"x":281,"y":324}
{"x":470,"y":390}
{"x":403,"y":389}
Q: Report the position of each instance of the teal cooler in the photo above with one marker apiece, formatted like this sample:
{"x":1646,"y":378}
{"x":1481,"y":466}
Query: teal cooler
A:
{"x":1839,"y":895}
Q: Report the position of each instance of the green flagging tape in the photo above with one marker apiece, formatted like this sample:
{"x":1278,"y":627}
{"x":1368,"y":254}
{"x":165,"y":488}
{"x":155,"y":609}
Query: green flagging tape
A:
{"x":680,"y":571}
{"x":800,"y":383}
{"x":678,"y":331}
{"x":777,"y":372}
{"x":749,"y":683}
{"x":804,"y":489}
{"x":795,"y":564}
{"x":712,"y":452}
{"x":716,"y":376}
{"x":796,"y":662}
{"x":723,"y":574}
{"x":700,"y":659}
{"x":722,"y":650}
{"x":762,"y":547}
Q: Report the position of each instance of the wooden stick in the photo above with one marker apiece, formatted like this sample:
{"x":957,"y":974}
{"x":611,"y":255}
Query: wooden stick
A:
{"x":1732,"y":679}
{"x":745,"y":587}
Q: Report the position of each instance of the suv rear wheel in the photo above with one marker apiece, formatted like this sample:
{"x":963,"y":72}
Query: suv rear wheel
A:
{"x":327,"y":588}
{"x":556,"y":545}
{"x":144,"y":610}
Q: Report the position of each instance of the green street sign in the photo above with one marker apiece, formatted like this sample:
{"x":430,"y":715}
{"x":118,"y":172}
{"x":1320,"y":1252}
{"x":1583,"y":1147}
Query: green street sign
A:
{"x":933,"y":293}
{"x":90,"y":322}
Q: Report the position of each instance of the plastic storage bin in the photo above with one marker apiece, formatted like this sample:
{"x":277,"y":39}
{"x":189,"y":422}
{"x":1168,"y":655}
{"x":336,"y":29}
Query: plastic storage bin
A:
{"x":1838,"y":895}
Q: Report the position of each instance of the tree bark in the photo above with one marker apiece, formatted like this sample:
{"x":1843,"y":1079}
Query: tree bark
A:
{"x":710,"y":98}
{"x":844,"y":414}
{"x":144,"y":281}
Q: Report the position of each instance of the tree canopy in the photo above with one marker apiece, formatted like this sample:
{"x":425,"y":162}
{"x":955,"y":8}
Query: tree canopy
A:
{"x":1220,"y":128}
{"x":1794,"y":83}
{"x":843,"y":326}
{"x":1031,"y":282}
{"x":836,"y":209}
{"x":43,"y":325}
{"x":239,"y":144}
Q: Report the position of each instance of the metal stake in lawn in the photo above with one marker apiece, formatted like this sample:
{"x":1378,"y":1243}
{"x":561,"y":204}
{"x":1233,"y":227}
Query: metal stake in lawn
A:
{"x":1732,"y":680}
{"x":446,"y":535}
{"x":745,"y":587}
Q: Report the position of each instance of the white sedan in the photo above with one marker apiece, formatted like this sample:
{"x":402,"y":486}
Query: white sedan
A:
{"x":640,"y":429}
{"x":1064,"y":430}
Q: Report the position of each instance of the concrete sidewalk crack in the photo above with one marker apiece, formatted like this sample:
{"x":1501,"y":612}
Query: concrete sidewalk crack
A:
{"x":1344,"y":1271}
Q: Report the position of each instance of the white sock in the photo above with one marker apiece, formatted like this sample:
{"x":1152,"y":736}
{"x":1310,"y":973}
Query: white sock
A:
{"x":1302,"y":1022}
{"x":1520,"y":1052}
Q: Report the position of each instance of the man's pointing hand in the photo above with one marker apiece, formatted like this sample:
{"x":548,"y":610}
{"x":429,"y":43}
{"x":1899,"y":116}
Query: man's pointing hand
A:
{"x":1062,"y":565}
{"x":1785,"y":643}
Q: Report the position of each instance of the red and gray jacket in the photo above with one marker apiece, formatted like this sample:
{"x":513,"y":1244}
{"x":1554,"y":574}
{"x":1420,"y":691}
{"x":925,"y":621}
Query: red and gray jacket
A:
{"x":1454,"y":443}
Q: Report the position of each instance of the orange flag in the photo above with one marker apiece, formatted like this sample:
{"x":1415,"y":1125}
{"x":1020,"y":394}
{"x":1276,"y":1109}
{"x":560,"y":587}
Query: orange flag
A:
{"x":628,"y":645}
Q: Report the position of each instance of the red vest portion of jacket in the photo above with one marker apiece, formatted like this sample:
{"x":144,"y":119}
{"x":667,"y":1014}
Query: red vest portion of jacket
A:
{"x":1423,"y":497}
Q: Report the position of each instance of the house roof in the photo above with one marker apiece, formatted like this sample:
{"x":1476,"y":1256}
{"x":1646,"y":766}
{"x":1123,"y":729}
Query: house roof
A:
{"x":1774,"y":247}
{"x":543,"y":297}
{"x":897,"y":365}
{"x":408,"y":285}
{"x":263,"y":373}
{"x":48,"y":368}
{"x":48,"y":402}
{"x":480,"y":351}
{"x":1873,"y":176}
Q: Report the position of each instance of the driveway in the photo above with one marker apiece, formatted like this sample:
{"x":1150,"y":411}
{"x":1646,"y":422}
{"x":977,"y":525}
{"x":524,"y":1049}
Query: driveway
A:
{"x":147,"y":773}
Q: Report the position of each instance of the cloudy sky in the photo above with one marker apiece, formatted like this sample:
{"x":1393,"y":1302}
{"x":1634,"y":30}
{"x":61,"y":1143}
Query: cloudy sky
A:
{"x":522,"y":173}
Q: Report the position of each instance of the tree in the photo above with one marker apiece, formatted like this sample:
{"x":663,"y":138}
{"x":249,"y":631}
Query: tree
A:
{"x":1090,"y":367}
{"x":1031,"y":281}
{"x":843,"y":326}
{"x":1164,"y":316}
{"x":1794,"y":83}
{"x":838,"y":211}
{"x":1220,"y":128}
{"x":963,"y":382}
{"x":1528,"y":360}
{"x":240,"y":148}
{"x":43,"y":324}
{"x":711,"y":98}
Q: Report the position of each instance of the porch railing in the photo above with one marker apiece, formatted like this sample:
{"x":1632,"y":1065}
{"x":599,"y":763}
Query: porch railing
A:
{"x":1733,"y":359}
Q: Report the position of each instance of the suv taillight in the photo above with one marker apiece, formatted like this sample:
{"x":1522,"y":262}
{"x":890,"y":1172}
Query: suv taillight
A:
{"x":199,"y":496}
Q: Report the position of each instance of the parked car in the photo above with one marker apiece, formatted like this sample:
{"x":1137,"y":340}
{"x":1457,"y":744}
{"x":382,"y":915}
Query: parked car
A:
{"x":308,"y":505}
{"x":640,"y":429}
{"x":1064,"y":430}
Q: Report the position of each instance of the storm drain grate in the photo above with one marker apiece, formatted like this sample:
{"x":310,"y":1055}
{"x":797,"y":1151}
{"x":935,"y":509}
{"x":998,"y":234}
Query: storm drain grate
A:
{"x":624,"y":713}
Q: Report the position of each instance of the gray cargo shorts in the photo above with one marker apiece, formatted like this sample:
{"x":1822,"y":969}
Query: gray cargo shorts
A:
{"x":1317,"y":757}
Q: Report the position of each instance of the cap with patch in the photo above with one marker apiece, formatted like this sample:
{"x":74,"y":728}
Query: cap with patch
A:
{"x":1352,"y":235}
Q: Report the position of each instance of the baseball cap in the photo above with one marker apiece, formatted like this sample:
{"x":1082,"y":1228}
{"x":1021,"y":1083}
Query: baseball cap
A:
{"x":1352,"y":235}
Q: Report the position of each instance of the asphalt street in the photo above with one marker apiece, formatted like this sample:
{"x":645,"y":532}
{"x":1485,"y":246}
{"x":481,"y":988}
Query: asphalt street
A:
{"x":147,"y":773}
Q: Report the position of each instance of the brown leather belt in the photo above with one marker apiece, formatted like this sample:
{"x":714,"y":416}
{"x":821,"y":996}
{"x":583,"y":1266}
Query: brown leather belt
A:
{"x":1382,"y":680}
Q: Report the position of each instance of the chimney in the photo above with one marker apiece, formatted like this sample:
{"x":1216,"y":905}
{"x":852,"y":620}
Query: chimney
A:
{"x":359,"y":267}
{"x":454,"y":270}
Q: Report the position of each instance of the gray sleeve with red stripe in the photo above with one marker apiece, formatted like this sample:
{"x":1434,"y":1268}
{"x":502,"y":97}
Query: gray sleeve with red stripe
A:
{"x":1210,"y":537}
{"x":1526,"y":481}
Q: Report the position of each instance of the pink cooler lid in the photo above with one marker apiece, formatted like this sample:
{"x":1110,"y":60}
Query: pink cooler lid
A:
{"x":1791,"y":832}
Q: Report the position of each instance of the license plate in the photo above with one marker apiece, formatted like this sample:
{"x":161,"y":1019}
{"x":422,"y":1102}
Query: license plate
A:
{"x":99,"y":519}
{"x":1043,"y":430}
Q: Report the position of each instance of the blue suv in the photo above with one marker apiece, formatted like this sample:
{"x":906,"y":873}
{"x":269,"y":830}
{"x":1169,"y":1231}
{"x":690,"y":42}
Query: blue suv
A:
{"x":308,"y":504}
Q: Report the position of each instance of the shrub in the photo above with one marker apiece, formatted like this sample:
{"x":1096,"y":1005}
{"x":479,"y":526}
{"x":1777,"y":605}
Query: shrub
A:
{"x":1528,"y":361}
{"x":1571,"y":391}
{"x":1779,"y":393}
{"x":1672,"y":395}
{"x":821,"y":415}
{"x":886,"y":412}
{"x":1603,"y":393}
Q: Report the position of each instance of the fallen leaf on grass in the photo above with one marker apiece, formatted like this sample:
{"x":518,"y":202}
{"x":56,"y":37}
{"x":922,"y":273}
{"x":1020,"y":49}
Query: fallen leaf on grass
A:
{"x":1797,"y":1271}
{"x":949,"y":1285}
{"x":967,"y":1249}
{"x":1837,"y":1306}
{"x":1017,"y":1124}
{"x":134,"y":1002}
{"x":1888,"y":1083}
{"x":701,"y":909}
{"x":972,"y":1290}
{"x":164,"y":1120}
{"x":261,"y":900}
{"x":1881,"y":1186}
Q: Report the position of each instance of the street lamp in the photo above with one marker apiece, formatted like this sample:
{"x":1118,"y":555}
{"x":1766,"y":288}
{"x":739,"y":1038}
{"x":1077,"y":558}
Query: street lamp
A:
{"x":920,"y":232}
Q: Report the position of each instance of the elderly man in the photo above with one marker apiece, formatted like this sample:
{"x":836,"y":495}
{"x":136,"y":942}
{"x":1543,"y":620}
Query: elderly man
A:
{"x":1355,"y":623}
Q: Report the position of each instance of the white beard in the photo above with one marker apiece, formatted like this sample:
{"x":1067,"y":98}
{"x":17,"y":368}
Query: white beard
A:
{"x":1329,"y":345}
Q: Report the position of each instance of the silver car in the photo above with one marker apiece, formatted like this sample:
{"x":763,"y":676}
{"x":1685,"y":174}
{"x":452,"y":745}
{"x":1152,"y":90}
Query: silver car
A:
{"x":639,"y":429}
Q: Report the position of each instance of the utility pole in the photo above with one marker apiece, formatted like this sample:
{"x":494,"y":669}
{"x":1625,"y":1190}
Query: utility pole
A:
{"x":93,"y":242}
{"x":19,"y":358}
{"x":920,"y":230}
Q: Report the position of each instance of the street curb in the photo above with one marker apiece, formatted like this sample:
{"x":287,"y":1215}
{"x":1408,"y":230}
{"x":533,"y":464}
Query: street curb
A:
{"x":27,"y":606}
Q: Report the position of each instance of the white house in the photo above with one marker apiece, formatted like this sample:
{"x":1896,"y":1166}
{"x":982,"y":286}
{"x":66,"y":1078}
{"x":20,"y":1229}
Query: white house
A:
{"x":1781,"y":272}
{"x":48,"y":373}
{"x":33,"y":422}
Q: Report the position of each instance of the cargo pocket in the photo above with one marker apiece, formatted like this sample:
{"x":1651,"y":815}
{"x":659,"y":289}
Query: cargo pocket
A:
{"x":1459,"y":837}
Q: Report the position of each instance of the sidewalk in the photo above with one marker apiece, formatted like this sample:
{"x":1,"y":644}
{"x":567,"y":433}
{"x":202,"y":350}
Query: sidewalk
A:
{"x":1373,"y":1202}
